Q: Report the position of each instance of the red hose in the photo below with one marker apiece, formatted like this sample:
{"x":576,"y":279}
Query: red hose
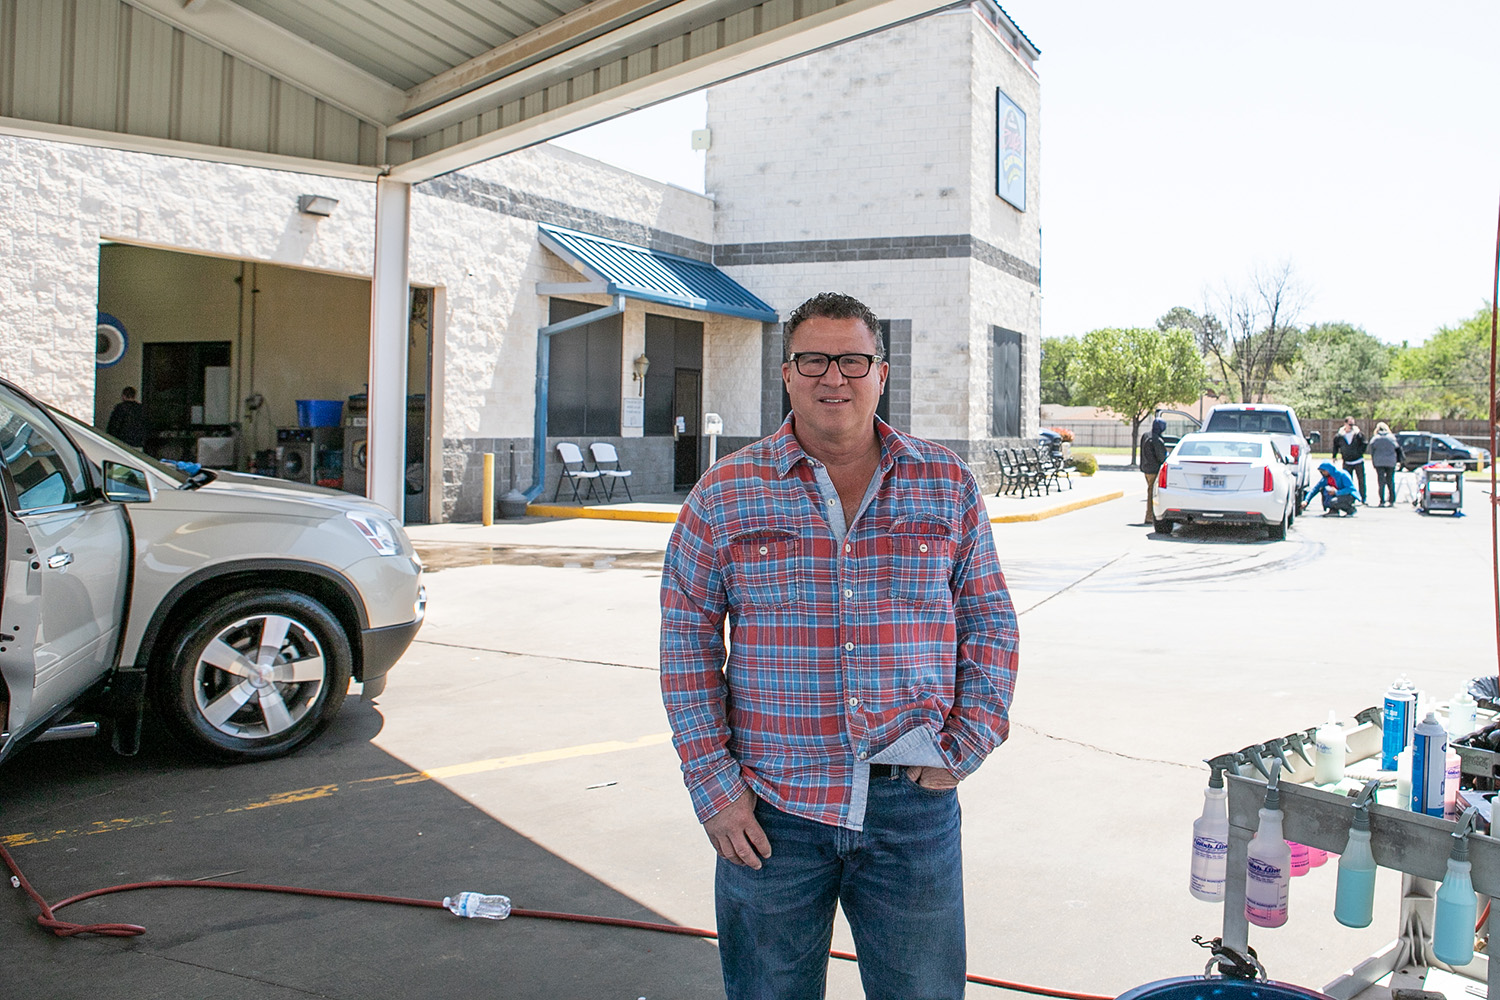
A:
{"x":63,"y":928}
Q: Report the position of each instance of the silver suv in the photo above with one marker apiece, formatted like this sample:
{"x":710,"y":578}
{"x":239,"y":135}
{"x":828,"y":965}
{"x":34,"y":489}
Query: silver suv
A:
{"x":240,"y":605}
{"x":1277,"y":421}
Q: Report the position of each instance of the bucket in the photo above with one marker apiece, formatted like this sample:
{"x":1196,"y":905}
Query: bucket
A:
{"x":319,"y":412}
{"x":1214,"y":988}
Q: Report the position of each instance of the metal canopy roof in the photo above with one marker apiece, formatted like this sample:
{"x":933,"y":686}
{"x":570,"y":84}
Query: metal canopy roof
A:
{"x":360,"y":88}
{"x":641,"y":273}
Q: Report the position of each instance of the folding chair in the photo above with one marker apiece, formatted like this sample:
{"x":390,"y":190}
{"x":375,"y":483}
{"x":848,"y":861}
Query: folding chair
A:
{"x":607,"y":465}
{"x":568,"y":452}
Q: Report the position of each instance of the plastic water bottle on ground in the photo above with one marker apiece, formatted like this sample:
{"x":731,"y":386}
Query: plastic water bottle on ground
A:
{"x":475,"y":904}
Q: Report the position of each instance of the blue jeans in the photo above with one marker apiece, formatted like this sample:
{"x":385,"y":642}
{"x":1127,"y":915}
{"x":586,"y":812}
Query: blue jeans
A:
{"x":900,"y":882}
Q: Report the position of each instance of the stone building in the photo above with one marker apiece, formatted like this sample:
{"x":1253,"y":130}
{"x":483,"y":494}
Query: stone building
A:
{"x":871,"y":167}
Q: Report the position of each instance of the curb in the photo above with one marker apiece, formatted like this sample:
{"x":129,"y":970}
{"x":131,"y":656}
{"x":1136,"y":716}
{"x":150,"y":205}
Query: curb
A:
{"x":621,"y":513}
{"x":669,"y":516}
{"x":1042,"y":515}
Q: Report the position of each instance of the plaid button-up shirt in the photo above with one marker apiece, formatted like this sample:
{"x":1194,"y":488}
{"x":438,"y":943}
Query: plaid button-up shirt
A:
{"x":834,"y":651}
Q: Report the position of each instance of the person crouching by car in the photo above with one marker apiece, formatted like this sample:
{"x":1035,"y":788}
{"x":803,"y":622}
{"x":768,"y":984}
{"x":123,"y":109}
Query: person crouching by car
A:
{"x":1153,"y":454}
{"x":1385,"y":454}
{"x":1336,"y":489}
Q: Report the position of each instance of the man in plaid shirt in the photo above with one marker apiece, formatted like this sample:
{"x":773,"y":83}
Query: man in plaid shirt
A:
{"x":868,"y":667}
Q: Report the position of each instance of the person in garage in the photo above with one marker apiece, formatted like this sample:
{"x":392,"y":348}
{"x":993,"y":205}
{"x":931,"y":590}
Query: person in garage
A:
{"x":1336,"y":489}
{"x":127,"y":421}
{"x":838,"y":651}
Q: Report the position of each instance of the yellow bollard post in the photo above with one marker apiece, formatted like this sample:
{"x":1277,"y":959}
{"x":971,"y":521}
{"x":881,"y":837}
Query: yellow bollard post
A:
{"x":487,"y":505}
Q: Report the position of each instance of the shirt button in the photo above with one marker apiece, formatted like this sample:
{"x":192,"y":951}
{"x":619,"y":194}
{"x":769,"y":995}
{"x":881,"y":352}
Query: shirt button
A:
{"x":764,"y":550}
{"x":853,"y":702}
{"x":830,"y":502}
{"x":848,"y":593}
{"x":863,"y":755}
{"x":920,"y":548}
{"x":848,"y":645}
{"x":848,"y":548}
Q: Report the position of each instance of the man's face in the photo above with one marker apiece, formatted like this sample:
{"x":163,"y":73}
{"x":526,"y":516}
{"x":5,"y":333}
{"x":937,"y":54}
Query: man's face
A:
{"x":832,"y":405}
{"x":1348,"y":423}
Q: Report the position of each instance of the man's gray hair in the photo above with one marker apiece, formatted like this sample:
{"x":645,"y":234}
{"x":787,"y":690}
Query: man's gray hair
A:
{"x":833,"y":305}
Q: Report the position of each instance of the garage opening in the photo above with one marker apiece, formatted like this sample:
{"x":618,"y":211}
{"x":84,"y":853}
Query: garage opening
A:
{"x":253,"y":367}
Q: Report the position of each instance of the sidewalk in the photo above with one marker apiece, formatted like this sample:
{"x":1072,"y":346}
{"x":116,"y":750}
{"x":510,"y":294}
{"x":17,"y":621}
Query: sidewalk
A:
{"x":1110,"y":483}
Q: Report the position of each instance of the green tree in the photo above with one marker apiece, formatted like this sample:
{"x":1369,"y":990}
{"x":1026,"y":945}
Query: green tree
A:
{"x":1339,"y":371}
{"x":1448,"y":376}
{"x":1059,"y":385}
{"x":1135,"y":371}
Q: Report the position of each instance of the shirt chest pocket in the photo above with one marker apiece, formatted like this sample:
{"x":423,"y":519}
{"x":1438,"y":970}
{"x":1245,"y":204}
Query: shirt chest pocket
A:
{"x":921,"y":563}
{"x":764,"y":569}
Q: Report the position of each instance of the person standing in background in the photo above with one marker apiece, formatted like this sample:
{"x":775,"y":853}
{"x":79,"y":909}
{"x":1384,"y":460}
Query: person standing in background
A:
{"x":1153,"y":454}
{"x":1349,"y":446}
{"x":127,"y":421}
{"x":1385,"y":456}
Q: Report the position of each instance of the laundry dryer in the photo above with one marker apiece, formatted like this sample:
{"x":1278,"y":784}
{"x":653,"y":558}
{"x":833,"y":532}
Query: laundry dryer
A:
{"x":356,"y":458}
{"x":309,"y":454}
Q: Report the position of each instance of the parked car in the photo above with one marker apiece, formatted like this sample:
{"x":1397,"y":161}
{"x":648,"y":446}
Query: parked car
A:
{"x":241,"y":605}
{"x":1281,"y":424}
{"x":1418,"y":448}
{"x":1226,"y":479}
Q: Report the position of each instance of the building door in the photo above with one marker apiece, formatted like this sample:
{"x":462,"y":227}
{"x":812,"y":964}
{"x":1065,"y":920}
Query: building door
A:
{"x":1005,"y":383}
{"x":687,"y":423}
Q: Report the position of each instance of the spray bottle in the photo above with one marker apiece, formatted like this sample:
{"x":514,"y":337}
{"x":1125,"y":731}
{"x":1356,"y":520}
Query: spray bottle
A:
{"x":1211,"y":835}
{"x":1354,"y":896}
{"x":1461,"y":710}
{"x":1453,"y":924}
{"x":1269,"y":862}
{"x":1398,"y":721}
{"x":1429,"y":766}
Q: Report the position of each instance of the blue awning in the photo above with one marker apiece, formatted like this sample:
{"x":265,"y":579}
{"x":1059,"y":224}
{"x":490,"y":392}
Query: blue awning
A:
{"x":642,"y":273}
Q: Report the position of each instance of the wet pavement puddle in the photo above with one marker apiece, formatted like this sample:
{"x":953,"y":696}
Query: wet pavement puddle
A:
{"x":437,"y":556}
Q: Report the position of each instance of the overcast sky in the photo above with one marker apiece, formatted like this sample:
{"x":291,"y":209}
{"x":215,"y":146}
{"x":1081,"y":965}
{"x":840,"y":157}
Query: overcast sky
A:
{"x":1186,"y":143}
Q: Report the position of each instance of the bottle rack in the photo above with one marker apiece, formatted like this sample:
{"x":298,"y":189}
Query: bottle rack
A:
{"x":1411,"y":843}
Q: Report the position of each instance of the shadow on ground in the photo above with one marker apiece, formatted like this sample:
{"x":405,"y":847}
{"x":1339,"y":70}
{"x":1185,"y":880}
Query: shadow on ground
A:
{"x":342,"y":815}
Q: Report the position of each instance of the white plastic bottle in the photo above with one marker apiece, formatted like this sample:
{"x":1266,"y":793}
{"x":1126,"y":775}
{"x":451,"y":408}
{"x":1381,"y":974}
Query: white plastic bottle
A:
{"x":1330,"y":749}
{"x":1403,"y":780}
{"x":1354,"y":895}
{"x":1451,"y":778}
{"x":1211,"y":840}
{"x":474,"y":904}
{"x":1460,"y":716}
{"x":1268,"y":866}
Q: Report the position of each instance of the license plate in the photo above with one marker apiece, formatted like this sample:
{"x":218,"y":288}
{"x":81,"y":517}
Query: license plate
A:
{"x":1213,"y":482}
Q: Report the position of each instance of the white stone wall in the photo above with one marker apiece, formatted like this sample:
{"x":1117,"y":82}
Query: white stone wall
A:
{"x":867,"y":146}
{"x":865,"y":138}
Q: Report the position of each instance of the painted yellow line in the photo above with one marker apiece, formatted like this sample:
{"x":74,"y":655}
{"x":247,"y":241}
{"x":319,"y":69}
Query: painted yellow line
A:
{"x":544,"y":756}
{"x":656,"y":513}
{"x":327,"y":791}
{"x":1042,"y":515}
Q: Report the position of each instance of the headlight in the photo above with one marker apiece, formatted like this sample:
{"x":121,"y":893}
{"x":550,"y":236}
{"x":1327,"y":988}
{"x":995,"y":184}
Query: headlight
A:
{"x":377,"y":531}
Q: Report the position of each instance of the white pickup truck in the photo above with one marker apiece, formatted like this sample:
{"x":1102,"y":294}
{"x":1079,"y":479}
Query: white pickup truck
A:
{"x":1276,"y":421}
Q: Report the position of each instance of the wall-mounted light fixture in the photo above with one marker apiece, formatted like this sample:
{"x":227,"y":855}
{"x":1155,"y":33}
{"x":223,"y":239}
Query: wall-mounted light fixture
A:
{"x":316,"y":204}
{"x":642,"y":365}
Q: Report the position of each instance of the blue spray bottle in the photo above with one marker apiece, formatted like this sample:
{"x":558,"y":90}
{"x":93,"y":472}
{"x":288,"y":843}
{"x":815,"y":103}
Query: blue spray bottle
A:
{"x":1453,"y":925}
{"x":1354,"y":896}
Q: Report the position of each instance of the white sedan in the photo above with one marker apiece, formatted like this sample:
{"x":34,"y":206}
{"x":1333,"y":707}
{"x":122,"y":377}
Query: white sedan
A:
{"x":1219,"y":478}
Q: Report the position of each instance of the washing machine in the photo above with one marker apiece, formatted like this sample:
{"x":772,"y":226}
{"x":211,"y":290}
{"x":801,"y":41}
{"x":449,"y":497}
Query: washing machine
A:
{"x":310,"y":454}
{"x":356,"y":458}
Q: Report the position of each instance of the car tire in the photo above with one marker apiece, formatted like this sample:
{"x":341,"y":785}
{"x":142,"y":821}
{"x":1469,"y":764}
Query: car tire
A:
{"x":218,"y":700}
{"x":1162,"y":527}
{"x":1278,"y":531}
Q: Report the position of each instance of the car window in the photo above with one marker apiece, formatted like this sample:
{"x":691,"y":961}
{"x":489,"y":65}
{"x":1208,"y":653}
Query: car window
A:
{"x":1250,"y":422}
{"x":1220,"y":449}
{"x":42,"y":464}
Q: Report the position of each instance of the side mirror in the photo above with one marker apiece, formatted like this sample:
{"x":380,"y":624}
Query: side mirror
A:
{"x":126,"y":483}
{"x":1313,"y":437}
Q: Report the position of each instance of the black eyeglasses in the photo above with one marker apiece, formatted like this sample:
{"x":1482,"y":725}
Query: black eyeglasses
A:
{"x":812,"y":364}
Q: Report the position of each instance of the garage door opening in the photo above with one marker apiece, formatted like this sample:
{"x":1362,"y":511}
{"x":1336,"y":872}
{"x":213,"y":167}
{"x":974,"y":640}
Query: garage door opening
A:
{"x":254,"y":367}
